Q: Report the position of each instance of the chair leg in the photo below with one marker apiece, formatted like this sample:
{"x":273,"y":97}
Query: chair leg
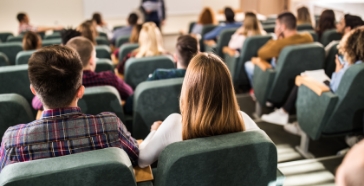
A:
{"x":258,"y":110}
{"x":303,"y":148}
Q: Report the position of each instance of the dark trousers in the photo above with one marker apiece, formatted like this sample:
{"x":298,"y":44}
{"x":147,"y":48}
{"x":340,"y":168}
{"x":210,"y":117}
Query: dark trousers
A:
{"x":290,"y":105}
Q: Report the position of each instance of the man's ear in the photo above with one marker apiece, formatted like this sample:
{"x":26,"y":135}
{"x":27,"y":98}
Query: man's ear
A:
{"x":33,"y":90}
{"x":80,"y":92}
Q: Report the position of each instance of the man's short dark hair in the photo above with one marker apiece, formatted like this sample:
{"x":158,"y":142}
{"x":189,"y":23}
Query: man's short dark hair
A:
{"x":187,"y":48}
{"x":83,"y":47}
{"x":288,"y":19}
{"x":353,"y":21}
{"x":229,"y":15}
{"x":20,"y":16}
{"x":68,"y":34}
{"x":133,"y":19}
{"x":55,"y":72}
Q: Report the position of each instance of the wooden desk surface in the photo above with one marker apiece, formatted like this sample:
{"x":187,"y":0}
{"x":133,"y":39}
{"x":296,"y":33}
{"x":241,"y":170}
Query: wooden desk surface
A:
{"x":143,"y":174}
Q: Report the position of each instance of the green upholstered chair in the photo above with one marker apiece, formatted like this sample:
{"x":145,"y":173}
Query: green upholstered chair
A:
{"x":190,"y":26}
{"x":117,"y":27}
{"x":275,"y":85}
{"x":269,"y":28}
{"x":269,"y":22}
{"x":14,"y":110}
{"x":137,"y":70}
{"x":4,"y":61}
{"x":12,"y":39}
{"x":100,"y":40}
{"x":332,"y":114}
{"x":205,"y":30}
{"x":4,"y":36}
{"x":99,"y":99}
{"x":236,"y":63}
{"x":104,"y":65}
{"x":14,"y":79}
{"x":56,"y":35}
{"x":109,"y":166}
{"x":330,"y":35}
{"x":223,"y":40}
{"x":22,"y":57}
{"x":41,"y":34}
{"x":11,"y":50}
{"x":304,"y":27}
{"x":103,"y":51}
{"x":330,"y":63}
{"x":125,"y":49}
{"x":121,"y":40}
{"x":102,"y":34}
{"x":50,"y":42}
{"x":153,"y":101}
{"x":241,"y":158}
{"x":313,"y":34}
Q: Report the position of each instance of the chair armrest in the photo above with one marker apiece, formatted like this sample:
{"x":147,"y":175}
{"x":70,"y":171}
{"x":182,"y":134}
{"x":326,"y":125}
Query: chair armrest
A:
{"x":262,"y":64}
{"x":229,"y":51}
{"x":143,"y":174}
{"x":312,"y":84}
{"x":210,"y":43}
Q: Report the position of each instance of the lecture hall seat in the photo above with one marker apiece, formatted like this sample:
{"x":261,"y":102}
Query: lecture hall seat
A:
{"x":4,"y":61}
{"x":224,"y":39}
{"x":330,"y":35}
{"x":104,"y":65}
{"x":4,"y":36}
{"x":22,"y":57}
{"x":121,"y":40}
{"x":103,"y":51}
{"x":205,"y":29}
{"x":125,"y":49}
{"x":11,"y":50}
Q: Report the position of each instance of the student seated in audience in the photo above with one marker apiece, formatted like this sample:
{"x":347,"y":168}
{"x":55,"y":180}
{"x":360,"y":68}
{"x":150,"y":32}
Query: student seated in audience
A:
{"x":351,"y":47}
{"x":327,"y":21}
{"x":101,"y":25}
{"x":134,"y":38}
{"x":207,"y":17}
{"x":206,"y":110}
{"x":251,"y":27}
{"x":150,"y":44}
{"x":303,"y":16}
{"x":31,"y":41}
{"x":285,"y":34}
{"x":55,"y":74}
{"x":25,"y":26}
{"x":230,"y":23}
{"x":87,"y":53}
{"x":186,"y":49}
{"x":88,"y":30}
{"x":127,"y":30}
{"x":68,"y":34}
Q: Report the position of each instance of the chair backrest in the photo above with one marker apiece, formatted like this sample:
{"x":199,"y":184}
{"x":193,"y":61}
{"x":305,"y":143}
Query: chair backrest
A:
{"x":104,"y":65}
{"x":241,"y":158}
{"x":330,"y":63}
{"x":100,"y":40}
{"x":269,"y":28}
{"x":224,"y":38}
{"x":14,"y":110}
{"x":205,"y":30}
{"x":103,"y":51}
{"x":109,"y":166}
{"x":137,"y":70}
{"x":102,"y":34}
{"x":121,"y":40}
{"x":292,"y":61}
{"x":126,"y":49}
{"x":12,"y":39}
{"x":304,"y":27}
{"x":14,"y":79}
{"x":269,"y":22}
{"x":4,"y":61}
{"x":330,"y":35}
{"x":190,"y":26}
{"x":4,"y":36}
{"x":153,"y":101}
{"x":22,"y":57}
{"x":50,"y":42}
{"x":11,"y":50}
{"x":313,"y":34}
{"x":101,"y":99}
{"x":55,"y":35}
{"x":117,"y":27}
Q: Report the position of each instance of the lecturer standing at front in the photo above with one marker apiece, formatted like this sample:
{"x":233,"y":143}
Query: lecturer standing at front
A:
{"x":154,"y":11}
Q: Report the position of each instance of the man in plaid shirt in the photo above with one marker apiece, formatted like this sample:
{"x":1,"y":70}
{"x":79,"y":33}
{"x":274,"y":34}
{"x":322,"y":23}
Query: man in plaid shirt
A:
{"x":55,"y":74}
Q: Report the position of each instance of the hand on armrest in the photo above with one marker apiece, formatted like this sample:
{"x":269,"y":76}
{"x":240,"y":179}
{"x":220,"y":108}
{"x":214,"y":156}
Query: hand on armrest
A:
{"x":229,"y":51}
{"x":262,"y":64}
{"x":210,"y":42}
{"x":315,"y":86}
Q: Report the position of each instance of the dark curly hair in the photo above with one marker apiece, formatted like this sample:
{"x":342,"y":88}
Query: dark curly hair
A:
{"x":352,"y":45}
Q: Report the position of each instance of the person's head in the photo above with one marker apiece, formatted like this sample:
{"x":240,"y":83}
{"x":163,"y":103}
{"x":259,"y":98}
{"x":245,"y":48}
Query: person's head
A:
{"x":348,"y":22}
{"x":88,"y":31}
{"x":186,"y":49}
{"x":352,"y":45}
{"x":22,"y":18}
{"x":207,"y":16}
{"x":55,"y":74}
{"x":85,"y":50}
{"x":251,"y":24}
{"x":134,"y":35}
{"x":208,"y":104}
{"x":133,"y":19}
{"x":303,"y":16}
{"x":350,"y":172}
{"x":285,"y":22}
{"x":68,"y":34}
{"x":31,"y":41}
{"x":229,"y":15}
{"x":97,"y":18}
{"x":326,"y":21}
{"x":150,"y":41}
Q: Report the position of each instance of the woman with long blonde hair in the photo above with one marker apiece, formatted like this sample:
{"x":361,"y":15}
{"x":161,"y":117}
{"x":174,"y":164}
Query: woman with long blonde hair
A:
{"x":251,"y":27}
{"x":206,"y":17}
{"x":208,"y":107}
{"x":303,"y":16}
{"x":88,"y":30}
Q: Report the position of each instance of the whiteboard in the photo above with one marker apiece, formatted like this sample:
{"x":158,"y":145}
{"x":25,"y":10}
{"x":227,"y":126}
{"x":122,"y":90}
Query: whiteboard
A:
{"x":122,"y":8}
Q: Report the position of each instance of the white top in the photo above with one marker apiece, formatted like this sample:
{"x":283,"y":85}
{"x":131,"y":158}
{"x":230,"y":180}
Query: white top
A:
{"x":169,"y":132}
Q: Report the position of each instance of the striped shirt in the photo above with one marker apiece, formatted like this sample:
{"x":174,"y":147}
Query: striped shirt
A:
{"x":65,"y":131}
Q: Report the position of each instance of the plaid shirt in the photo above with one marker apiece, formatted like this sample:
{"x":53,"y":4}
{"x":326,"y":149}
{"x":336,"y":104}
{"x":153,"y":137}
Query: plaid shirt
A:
{"x":90,"y":79}
{"x":65,"y":131}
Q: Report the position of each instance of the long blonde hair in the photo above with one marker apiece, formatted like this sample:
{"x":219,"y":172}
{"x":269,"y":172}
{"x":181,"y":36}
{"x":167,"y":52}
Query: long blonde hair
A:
{"x":251,"y":25}
{"x":208,"y":104}
{"x":303,"y":16}
{"x":150,"y":41}
{"x":88,"y":30}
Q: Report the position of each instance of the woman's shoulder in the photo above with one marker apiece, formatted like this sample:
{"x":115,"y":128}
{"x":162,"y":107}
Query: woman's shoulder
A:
{"x":248,"y":122}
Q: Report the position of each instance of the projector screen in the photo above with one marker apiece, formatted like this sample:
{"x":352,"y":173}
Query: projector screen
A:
{"x":122,"y":8}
